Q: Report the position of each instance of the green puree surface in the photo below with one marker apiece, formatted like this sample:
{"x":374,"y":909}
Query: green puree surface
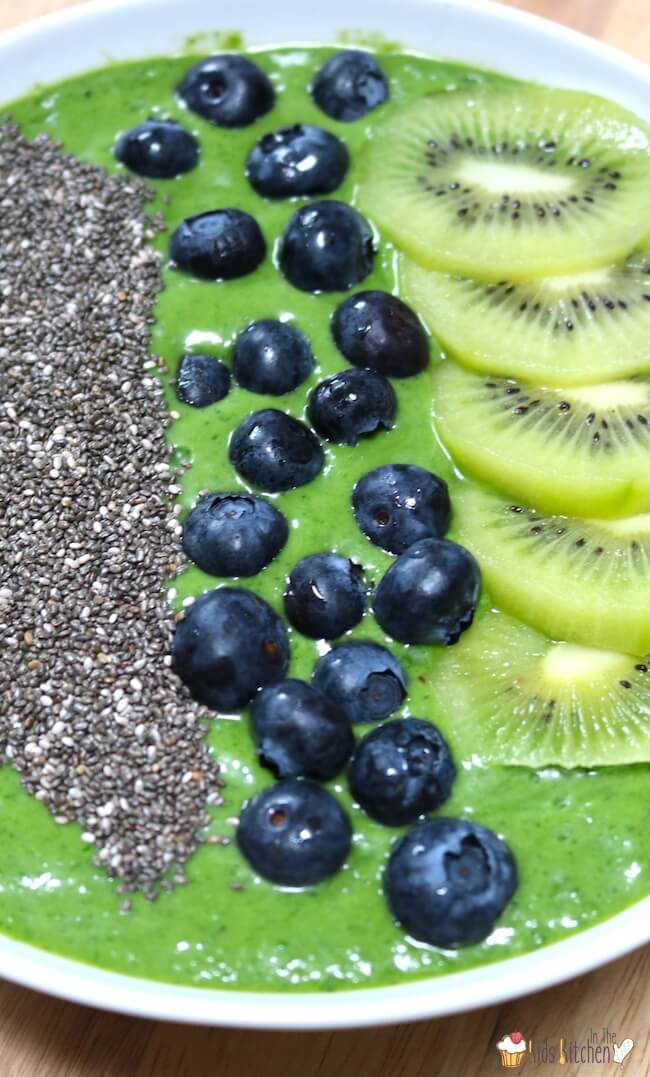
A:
{"x":581,"y":839}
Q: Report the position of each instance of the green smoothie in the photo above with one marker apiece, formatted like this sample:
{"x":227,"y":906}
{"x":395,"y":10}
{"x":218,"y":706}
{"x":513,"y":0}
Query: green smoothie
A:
{"x":581,"y":838}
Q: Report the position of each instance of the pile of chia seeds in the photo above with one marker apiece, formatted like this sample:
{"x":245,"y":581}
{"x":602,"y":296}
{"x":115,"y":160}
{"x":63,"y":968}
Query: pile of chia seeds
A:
{"x":91,"y":715}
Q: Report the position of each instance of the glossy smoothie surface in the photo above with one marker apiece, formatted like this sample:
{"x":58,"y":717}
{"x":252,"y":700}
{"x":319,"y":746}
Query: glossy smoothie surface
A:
{"x":581,"y":838}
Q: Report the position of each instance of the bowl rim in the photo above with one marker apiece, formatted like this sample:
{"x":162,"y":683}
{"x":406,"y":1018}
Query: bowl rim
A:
{"x":493,"y":11}
{"x":430,"y":997}
{"x":439,"y":996}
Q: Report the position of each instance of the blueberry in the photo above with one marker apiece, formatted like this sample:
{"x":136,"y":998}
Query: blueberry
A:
{"x":219,"y":245}
{"x":272,"y":357}
{"x":349,"y":85}
{"x":201,"y":380}
{"x":158,"y":149}
{"x":376,"y":330}
{"x":299,"y":733}
{"x":396,"y":505}
{"x":448,"y":881}
{"x":429,"y":594}
{"x":351,"y":405}
{"x":402,"y":770}
{"x":363,"y":679}
{"x":297,"y":161}
{"x":295,"y":833}
{"x":233,"y":534}
{"x":326,"y":247}
{"x":325,"y":595}
{"x":229,"y":644}
{"x":229,"y":91}
{"x":274,"y":451}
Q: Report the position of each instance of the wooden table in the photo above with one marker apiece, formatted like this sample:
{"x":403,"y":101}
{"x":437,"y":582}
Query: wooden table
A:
{"x":42,"y":1037}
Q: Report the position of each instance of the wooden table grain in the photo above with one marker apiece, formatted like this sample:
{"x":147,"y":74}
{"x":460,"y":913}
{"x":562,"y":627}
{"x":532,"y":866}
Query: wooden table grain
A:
{"x":43,"y":1037}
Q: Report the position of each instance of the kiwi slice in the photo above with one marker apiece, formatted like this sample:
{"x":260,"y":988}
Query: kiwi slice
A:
{"x":513,"y":696}
{"x":584,"y":581}
{"x":583,"y":450}
{"x":562,"y":330}
{"x":514,"y":183}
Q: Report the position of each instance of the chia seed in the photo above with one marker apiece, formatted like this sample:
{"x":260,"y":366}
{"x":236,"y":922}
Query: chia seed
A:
{"x":93,"y":719}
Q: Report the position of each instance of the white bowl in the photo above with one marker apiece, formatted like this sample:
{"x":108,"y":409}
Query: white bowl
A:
{"x":475,"y":32}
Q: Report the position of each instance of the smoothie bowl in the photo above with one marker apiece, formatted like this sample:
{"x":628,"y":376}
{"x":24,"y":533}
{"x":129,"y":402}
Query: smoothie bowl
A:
{"x":325,"y":407}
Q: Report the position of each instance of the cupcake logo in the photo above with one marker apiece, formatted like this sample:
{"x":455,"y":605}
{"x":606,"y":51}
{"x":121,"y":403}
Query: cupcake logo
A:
{"x":512,"y":1049}
{"x":599,"y":1047}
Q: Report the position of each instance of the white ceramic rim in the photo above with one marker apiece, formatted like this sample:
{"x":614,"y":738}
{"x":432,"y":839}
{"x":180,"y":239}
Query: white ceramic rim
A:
{"x":360,"y":1007}
{"x":475,"y":31}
